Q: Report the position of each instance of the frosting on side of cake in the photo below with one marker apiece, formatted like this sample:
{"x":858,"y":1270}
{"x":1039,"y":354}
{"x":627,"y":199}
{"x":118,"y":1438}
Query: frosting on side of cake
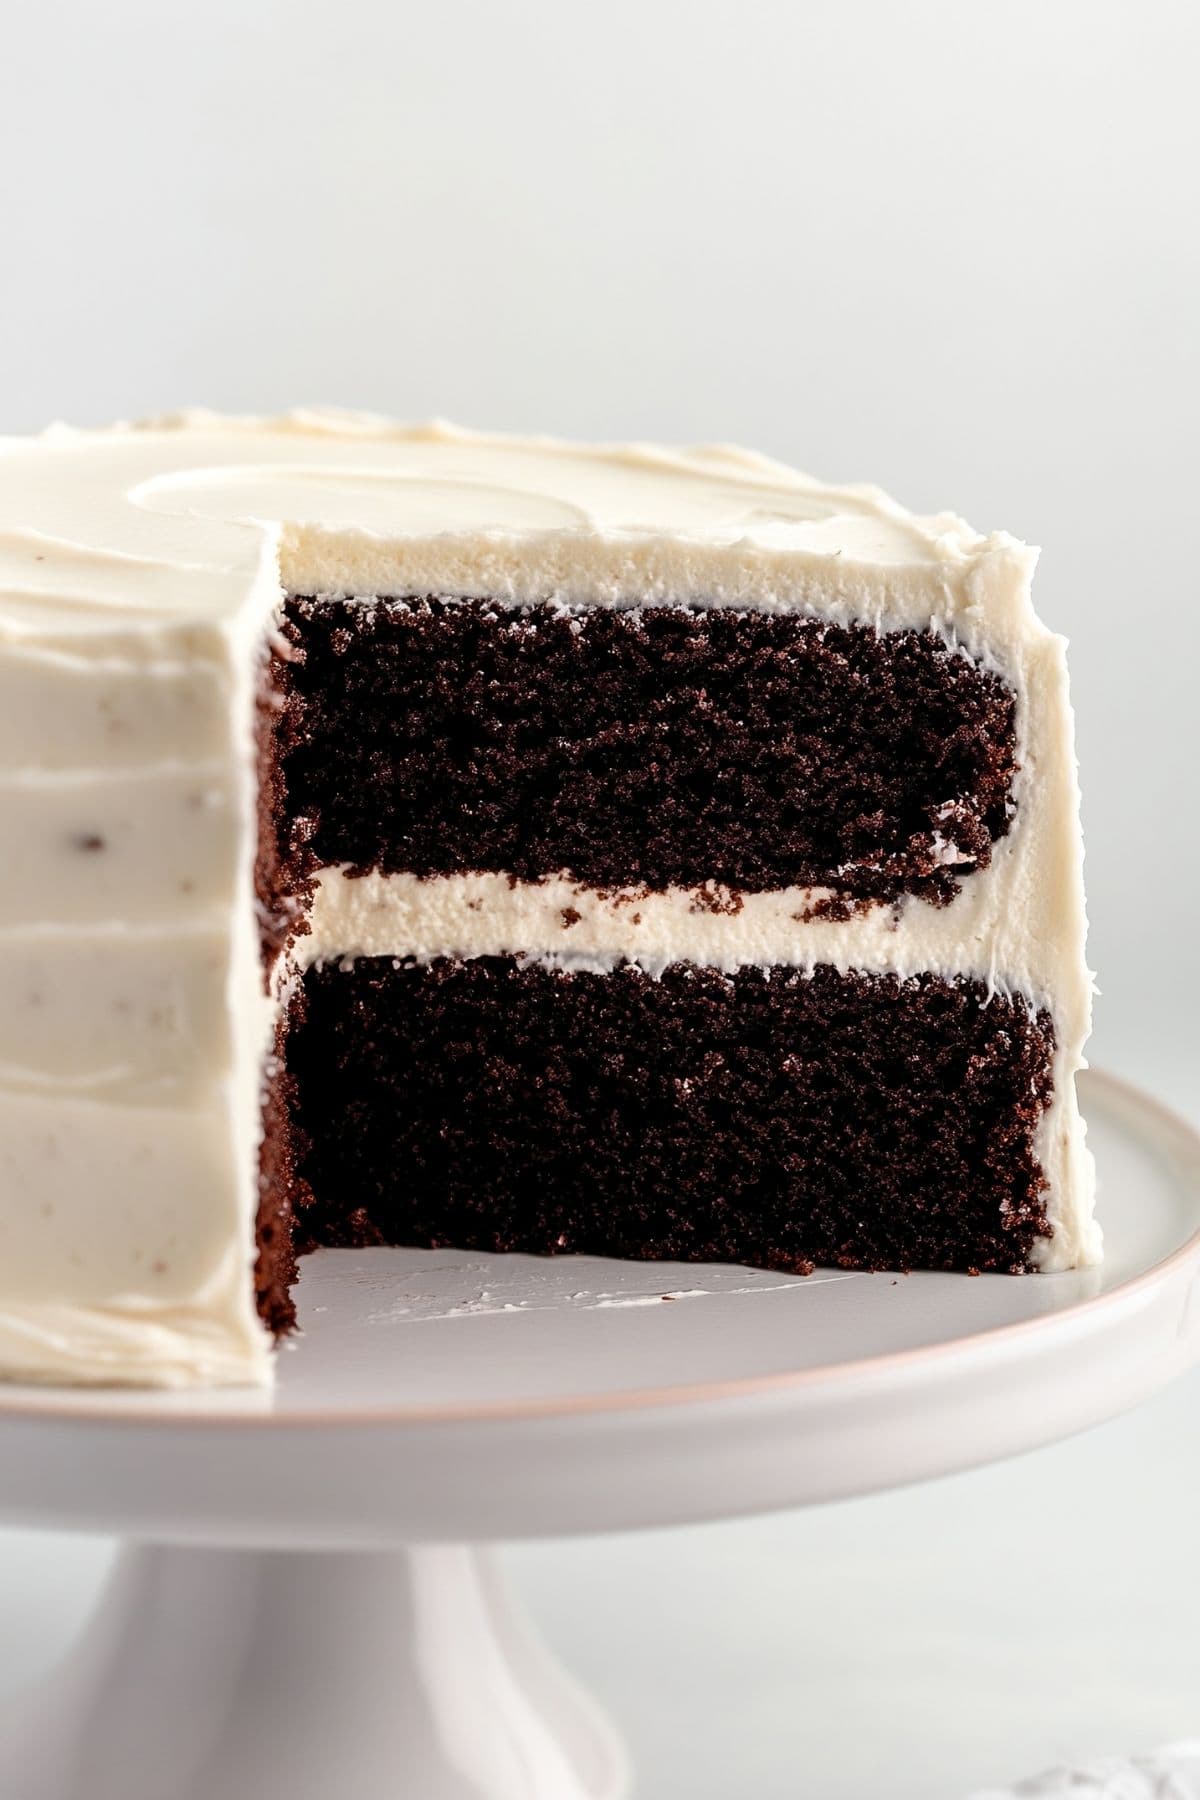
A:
{"x":140,"y":570}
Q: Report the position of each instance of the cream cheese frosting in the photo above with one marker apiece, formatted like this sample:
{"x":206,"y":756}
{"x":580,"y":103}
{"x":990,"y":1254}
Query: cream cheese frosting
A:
{"x":141,"y":569}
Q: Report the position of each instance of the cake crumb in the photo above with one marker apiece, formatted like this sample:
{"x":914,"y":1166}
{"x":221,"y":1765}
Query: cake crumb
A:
{"x":715,"y":897}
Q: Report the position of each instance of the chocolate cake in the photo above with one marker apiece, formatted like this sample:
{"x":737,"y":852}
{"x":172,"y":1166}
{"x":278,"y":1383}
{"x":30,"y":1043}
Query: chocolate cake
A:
{"x":423,"y":838}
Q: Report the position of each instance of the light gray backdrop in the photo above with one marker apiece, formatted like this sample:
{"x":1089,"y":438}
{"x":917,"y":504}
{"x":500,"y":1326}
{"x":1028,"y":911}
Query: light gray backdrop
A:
{"x":943,"y":245}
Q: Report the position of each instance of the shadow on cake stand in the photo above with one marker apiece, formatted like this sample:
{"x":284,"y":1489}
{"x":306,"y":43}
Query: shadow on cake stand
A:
{"x":297,"y":1613}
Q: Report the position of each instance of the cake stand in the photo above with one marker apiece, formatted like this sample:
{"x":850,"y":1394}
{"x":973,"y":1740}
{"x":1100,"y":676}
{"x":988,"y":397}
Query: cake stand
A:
{"x":298,"y":1612}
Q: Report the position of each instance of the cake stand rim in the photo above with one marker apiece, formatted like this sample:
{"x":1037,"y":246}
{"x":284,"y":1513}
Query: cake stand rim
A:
{"x":94,"y":1404}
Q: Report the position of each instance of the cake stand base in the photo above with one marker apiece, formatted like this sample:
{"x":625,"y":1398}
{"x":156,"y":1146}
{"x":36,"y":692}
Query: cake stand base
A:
{"x":286,"y":1675}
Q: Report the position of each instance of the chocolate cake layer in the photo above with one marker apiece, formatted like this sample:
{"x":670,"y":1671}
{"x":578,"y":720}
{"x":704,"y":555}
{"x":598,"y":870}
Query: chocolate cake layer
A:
{"x":765,"y":1117}
{"x":281,"y":1190}
{"x":659,"y":746}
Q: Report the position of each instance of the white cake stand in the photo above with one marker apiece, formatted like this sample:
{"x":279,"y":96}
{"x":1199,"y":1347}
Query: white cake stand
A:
{"x":297,"y":1616}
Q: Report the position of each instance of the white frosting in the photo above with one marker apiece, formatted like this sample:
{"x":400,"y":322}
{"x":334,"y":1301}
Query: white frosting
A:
{"x":980,"y":934}
{"x":139,"y":572}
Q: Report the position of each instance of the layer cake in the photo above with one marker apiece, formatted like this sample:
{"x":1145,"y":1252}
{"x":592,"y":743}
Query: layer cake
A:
{"x":414,"y":836}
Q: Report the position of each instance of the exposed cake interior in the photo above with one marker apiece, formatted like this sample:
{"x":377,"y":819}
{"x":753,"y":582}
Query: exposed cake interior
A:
{"x":767,"y":1116}
{"x":661,"y":745}
{"x":722,"y":781}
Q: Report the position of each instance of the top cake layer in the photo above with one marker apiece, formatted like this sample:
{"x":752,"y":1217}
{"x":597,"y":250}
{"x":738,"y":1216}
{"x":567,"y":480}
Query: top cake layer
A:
{"x":142,"y":567}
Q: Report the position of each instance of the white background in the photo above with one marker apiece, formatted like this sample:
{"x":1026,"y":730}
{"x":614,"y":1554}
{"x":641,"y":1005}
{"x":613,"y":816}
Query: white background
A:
{"x":944,"y":245}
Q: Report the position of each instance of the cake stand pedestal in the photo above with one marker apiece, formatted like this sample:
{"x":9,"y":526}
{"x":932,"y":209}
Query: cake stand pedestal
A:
{"x":297,"y":1616}
{"x":245,"y":1675}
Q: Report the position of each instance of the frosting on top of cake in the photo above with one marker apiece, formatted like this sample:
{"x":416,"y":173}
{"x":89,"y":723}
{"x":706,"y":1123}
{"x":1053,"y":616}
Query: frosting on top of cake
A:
{"x":170,"y":518}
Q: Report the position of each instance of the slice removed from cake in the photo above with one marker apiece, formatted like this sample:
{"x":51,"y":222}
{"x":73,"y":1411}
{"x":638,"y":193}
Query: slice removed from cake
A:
{"x":412,"y":836}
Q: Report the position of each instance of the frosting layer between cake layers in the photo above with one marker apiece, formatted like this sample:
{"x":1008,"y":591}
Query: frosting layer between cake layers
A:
{"x":140,"y":572}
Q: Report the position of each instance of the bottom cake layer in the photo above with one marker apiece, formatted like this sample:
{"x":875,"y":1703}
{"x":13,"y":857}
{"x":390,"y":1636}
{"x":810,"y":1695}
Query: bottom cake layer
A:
{"x":769,"y":1117}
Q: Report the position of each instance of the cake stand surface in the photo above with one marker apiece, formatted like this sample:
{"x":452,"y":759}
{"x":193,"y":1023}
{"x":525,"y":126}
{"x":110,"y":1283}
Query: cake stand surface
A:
{"x":297,"y":1614}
